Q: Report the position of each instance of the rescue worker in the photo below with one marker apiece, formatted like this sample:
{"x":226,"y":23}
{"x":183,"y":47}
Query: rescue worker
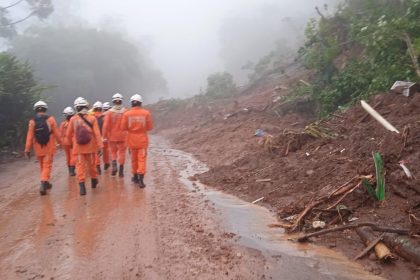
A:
{"x":115,"y":135}
{"x":84,"y":133}
{"x":97,"y":112}
{"x":105,"y":152}
{"x":137,"y":121}
{"x":66,"y":145}
{"x":39,"y":137}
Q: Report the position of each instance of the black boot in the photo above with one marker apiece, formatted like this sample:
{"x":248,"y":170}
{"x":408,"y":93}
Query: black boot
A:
{"x":114,"y":168}
{"x":69,"y":167}
{"x":72,"y":170}
{"x":135,"y":179}
{"x":82,"y":188}
{"x":49,"y":186}
{"x":121,"y":171}
{"x":43,"y":188}
{"x":94,"y":183}
{"x":141,"y":182}
{"x":98,"y":169}
{"x":106,"y":166}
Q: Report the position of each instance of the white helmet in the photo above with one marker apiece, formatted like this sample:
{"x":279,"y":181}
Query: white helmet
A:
{"x":68,"y":111}
{"x":117,"y":97}
{"x":40,"y":104}
{"x":106,"y":106}
{"x":136,"y":97}
{"x":81,"y":102}
{"x":97,"y":105}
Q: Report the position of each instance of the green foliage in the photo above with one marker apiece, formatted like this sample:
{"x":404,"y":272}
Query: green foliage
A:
{"x":379,"y":192}
{"x":362,"y":50}
{"x":380,"y":176}
{"x":220,"y":85}
{"x":82,"y":61}
{"x":8,"y":18}
{"x":18,"y":91}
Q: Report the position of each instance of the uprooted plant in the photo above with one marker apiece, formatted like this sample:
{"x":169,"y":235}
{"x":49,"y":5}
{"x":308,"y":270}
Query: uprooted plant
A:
{"x":379,"y":192}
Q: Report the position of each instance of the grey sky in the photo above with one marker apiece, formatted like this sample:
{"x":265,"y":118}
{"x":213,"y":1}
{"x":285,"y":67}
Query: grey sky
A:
{"x":181,"y":35}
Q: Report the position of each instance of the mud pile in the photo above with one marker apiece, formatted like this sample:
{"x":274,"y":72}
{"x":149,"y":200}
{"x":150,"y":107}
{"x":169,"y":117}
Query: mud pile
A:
{"x":291,"y":166}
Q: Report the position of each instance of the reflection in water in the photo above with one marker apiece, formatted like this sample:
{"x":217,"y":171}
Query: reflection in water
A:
{"x":285,"y":260}
{"x":47,"y":222}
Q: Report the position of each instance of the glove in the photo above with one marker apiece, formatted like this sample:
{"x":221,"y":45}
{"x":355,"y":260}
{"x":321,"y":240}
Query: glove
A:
{"x":28,"y":155}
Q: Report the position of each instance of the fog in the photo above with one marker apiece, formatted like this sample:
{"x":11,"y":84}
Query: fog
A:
{"x":190,"y":39}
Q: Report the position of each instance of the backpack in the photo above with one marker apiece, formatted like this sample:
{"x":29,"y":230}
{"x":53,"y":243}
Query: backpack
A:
{"x":42,"y":130}
{"x":83,"y":135}
{"x":100,"y":122}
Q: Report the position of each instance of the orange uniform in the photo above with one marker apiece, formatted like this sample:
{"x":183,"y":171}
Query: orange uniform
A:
{"x":44,"y":153}
{"x":98,"y":116}
{"x":113,"y":132}
{"x":137,"y":121}
{"x":66,"y":144}
{"x":85,"y":154}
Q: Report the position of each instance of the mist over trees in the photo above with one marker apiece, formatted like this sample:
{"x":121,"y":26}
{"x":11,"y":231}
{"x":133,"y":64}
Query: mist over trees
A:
{"x":84,"y":61}
{"x":252,"y":44}
{"x":19,"y":11}
{"x":18,"y":92}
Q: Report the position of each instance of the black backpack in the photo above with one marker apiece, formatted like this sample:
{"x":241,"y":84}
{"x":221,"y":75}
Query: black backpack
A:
{"x":42,"y":130}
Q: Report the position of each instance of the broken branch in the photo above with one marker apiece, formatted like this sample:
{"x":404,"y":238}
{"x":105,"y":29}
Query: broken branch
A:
{"x":373,"y":226}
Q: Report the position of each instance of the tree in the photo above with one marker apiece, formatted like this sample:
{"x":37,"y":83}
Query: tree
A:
{"x":220,"y":84}
{"x":18,"y":91}
{"x":39,"y":8}
{"x":363,"y":49}
{"x":82,"y":61}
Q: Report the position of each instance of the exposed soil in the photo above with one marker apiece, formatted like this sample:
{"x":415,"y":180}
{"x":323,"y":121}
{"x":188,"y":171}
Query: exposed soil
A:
{"x":298,"y":166}
{"x":117,"y":231}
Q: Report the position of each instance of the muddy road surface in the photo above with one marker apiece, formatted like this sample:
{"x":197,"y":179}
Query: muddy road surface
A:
{"x":175,"y":228}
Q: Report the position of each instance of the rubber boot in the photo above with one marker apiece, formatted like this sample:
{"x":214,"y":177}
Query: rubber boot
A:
{"x":106,"y":166}
{"x":82,"y":188}
{"x":94,"y":183}
{"x":135,"y":179}
{"x":49,"y":186}
{"x":43,"y":188}
{"x":72,"y":170}
{"x":114,"y":168}
{"x":121,"y":171}
{"x":98,"y":169}
{"x":69,"y":167}
{"x":141,"y":182}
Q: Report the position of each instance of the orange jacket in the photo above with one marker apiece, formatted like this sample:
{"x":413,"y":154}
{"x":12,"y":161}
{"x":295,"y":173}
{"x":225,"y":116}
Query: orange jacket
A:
{"x":94,"y":145}
{"x":63,"y":133}
{"x":48,"y":149}
{"x":137,"y":121}
{"x":112,"y":130}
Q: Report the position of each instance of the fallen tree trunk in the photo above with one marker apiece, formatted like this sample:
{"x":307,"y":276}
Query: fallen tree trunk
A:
{"x":381,"y":250}
{"x":404,"y":248}
{"x":373,"y":226}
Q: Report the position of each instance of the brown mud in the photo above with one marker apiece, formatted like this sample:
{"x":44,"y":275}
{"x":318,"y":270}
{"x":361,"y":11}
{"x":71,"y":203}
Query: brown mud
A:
{"x":173,"y":229}
{"x":238,"y":160}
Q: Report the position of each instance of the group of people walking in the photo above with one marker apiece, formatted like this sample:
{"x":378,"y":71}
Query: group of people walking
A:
{"x":90,"y":136}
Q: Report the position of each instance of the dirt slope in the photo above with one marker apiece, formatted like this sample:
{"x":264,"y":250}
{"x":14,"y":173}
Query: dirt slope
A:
{"x":312,"y":165}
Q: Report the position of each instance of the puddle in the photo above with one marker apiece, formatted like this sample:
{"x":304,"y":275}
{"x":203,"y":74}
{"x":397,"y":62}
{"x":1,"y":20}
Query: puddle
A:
{"x":285,"y":259}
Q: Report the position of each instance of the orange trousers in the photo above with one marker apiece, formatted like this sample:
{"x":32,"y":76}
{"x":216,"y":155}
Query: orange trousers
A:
{"x":105,"y":153}
{"x":118,"y":150}
{"x":71,"y":159}
{"x":138,"y":161}
{"x":45,"y":165}
{"x":83,"y":161}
